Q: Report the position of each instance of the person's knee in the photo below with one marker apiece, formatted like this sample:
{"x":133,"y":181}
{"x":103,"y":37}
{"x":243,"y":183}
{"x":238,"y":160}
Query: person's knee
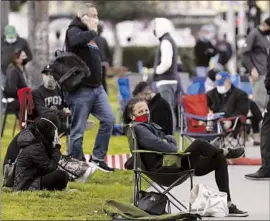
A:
{"x":63,"y":178}
{"x":108,"y":122}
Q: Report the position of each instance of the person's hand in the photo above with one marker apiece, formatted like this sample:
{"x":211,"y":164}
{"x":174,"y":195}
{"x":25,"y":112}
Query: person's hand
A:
{"x":66,"y":110}
{"x":92,"y":24}
{"x":254,"y":74}
{"x":227,"y":124}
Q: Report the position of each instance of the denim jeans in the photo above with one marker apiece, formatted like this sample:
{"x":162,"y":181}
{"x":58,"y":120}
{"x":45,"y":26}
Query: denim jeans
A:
{"x":168,"y":91}
{"x":82,"y":103}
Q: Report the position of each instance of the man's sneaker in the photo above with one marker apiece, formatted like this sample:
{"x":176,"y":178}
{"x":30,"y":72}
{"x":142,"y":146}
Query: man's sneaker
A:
{"x":258,"y":176}
{"x":235,"y":212}
{"x":101,"y":165}
{"x":86,"y":176}
{"x":235,"y":153}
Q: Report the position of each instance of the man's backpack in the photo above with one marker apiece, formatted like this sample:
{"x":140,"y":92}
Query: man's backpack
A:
{"x":69,"y":70}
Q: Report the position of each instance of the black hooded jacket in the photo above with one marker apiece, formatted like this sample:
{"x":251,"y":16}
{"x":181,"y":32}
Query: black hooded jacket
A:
{"x":37,"y":159}
{"x":80,"y":41}
{"x":161,"y":114}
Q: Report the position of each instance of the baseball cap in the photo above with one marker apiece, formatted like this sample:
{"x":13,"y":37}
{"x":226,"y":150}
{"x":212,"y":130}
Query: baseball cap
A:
{"x":221,"y":77}
{"x":46,"y":69}
{"x":10,"y":31}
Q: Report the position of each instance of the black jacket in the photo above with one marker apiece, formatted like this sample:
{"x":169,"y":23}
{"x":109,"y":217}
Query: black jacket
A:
{"x":7,"y":51}
{"x":161,"y":114}
{"x":104,"y":49}
{"x":15,"y":81}
{"x":12,"y":150}
{"x":234,"y":103}
{"x":151,"y":137}
{"x":267,"y":78}
{"x":203,"y":51}
{"x":80,"y":41}
{"x":37,"y":159}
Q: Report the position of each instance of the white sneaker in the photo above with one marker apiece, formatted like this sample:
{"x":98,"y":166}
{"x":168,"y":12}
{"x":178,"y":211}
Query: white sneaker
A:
{"x":86,"y":176}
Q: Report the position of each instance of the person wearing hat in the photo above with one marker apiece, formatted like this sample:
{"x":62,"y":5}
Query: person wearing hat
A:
{"x":47,"y":97}
{"x":9,"y":44}
{"x":227,"y":98}
{"x":254,"y":59}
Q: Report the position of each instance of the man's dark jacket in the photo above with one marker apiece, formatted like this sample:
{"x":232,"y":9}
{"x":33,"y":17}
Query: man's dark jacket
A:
{"x":234,"y":103}
{"x":161,"y":114}
{"x":37,"y":159}
{"x":8,"y":50}
{"x":80,"y":41}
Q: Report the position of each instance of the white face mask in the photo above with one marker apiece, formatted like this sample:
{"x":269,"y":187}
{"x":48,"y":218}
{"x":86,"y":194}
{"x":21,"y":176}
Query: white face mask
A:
{"x":49,"y":81}
{"x":222,"y":89}
{"x":11,"y":40}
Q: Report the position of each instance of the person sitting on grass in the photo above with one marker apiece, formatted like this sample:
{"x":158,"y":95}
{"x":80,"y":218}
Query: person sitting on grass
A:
{"x":37,"y":162}
{"x":204,"y":157}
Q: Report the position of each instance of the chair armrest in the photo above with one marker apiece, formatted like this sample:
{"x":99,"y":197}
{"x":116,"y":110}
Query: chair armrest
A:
{"x":179,"y":153}
{"x":215,"y":116}
{"x":242,"y":118}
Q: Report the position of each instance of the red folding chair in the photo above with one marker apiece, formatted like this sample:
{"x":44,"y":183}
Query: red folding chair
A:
{"x":26,"y":107}
{"x":194,"y":118}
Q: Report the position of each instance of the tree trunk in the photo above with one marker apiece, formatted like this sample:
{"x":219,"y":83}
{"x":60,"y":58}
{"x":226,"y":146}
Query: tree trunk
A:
{"x":4,"y":14}
{"x":118,"y":51}
{"x":38,"y":29}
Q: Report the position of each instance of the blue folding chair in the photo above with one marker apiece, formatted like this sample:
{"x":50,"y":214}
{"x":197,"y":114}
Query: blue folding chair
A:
{"x":247,"y":87}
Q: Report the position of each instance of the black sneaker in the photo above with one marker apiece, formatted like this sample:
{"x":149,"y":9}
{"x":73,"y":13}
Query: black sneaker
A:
{"x":258,"y":176}
{"x":235,"y":153}
{"x":102,"y":165}
{"x":235,"y":212}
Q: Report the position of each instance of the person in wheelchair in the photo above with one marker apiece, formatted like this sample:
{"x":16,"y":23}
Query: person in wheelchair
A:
{"x":204,"y":157}
{"x":48,"y":98}
{"x":160,"y":110}
{"x":37,"y":161}
{"x":228,"y":99}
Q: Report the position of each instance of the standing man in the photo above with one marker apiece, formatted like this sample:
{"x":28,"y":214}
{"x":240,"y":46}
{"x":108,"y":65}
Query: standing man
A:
{"x":165,"y":66}
{"x":224,"y":50}
{"x":104,"y":53}
{"x":254,"y":59}
{"x":264,"y":172}
{"x":91,"y":96}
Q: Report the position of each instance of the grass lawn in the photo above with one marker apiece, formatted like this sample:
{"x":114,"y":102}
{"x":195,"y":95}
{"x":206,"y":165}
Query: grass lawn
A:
{"x":86,"y":202}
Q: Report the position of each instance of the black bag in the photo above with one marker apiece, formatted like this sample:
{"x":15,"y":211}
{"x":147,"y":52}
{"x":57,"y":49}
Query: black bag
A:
{"x":69,"y":70}
{"x":9,"y":172}
{"x":152,"y":202}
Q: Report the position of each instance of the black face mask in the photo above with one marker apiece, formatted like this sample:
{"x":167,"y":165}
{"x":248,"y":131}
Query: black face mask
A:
{"x":267,"y":32}
{"x":24,"y":62}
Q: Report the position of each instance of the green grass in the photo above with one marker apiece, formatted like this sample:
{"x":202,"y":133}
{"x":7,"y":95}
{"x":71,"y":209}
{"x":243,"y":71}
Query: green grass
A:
{"x":87,"y":201}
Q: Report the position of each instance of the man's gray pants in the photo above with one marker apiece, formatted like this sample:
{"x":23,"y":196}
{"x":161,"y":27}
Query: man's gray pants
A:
{"x":265,"y":142}
{"x":259,"y":93}
{"x":168,"y":92}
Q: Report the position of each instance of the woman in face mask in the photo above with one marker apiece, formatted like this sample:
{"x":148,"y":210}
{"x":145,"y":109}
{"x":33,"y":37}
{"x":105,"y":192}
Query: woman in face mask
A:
{"x":16,"y":77}
{"x":204,"y":157}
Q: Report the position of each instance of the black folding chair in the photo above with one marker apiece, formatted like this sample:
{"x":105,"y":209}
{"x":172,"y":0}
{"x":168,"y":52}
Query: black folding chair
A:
{"x":165,"y":180}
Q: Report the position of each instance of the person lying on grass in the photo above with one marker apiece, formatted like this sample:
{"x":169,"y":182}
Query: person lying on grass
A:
{"x":37,"y":162}
{"x":204,"y":157}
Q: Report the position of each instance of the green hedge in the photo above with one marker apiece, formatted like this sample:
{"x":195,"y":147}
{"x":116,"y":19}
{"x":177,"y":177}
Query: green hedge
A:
{"x":147,"y":54}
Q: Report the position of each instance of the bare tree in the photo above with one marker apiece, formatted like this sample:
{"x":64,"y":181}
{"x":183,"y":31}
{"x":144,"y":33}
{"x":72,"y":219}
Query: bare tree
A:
{"x":38,"y":28}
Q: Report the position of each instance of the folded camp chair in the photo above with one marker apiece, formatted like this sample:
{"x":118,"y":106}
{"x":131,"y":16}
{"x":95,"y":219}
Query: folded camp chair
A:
{"x":168,"y":180}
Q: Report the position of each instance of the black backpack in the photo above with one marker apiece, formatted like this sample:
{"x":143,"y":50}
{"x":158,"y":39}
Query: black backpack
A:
{"x":69,"y":70}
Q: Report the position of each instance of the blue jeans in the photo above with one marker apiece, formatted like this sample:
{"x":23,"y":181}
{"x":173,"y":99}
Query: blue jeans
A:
{"x":82,"y":103}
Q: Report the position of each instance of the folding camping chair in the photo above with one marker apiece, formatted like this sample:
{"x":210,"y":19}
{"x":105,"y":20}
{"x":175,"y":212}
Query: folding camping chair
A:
{"x":169,"y":180}
{"x":194,"y":120}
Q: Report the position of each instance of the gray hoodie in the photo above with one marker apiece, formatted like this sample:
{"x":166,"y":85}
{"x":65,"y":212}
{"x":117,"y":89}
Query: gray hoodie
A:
{"x":255,"y":51}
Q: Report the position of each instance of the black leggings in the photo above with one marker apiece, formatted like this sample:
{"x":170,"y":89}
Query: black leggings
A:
{"x":205,"y":158}
{"x":256,"y":117}
{"x":56,"y":180}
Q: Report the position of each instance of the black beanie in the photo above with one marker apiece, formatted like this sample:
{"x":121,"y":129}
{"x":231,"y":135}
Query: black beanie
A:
{"x":267,"y":21}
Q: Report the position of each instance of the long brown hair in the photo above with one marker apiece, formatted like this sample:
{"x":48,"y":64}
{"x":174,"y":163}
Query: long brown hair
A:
{"x":129,"y":109}
{"x":15,"y":56}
